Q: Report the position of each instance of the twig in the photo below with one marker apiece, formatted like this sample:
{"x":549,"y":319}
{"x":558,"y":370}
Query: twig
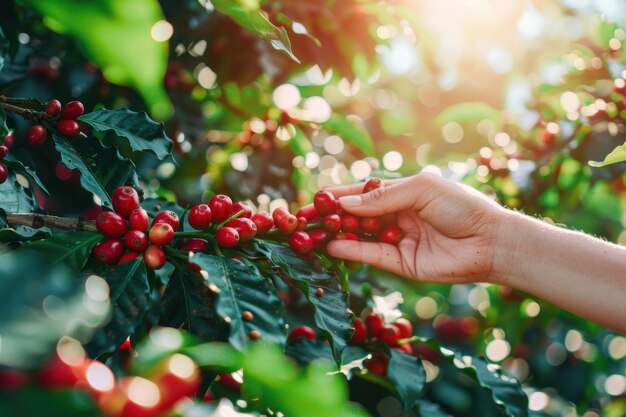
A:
{"x":11,"y":105}
{"x":37,"y":221}
{"x":29,"y":102}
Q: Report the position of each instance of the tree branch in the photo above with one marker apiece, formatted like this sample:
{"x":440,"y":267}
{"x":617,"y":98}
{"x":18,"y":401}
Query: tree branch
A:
{"x":37,"y":221}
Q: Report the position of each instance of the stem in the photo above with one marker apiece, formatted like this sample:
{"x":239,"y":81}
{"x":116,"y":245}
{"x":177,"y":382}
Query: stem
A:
{"x":199,"y":234}
{"x":37,"y":221}
{"x":29,"y":102}
{"x":28,"y":114}
{"x":234,"y":216}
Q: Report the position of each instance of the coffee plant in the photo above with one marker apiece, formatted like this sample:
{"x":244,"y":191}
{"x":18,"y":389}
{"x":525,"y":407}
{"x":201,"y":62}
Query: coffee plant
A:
{"x":163,"y":221}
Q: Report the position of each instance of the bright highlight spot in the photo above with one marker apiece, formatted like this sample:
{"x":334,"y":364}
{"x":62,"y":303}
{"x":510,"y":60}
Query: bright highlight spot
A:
{"x":392,"y":160}
{"x":452,"y":132}
{"x":162,"y":31}
{"x":143,"y":392}
{"x":286,"y":96}
{"x":538,"y":401}
{"x":360,"y":170}
{"x":100,"y":377}
{"x":426,"y":308}
{"x":615,"y":384}
{"x":497,"y":350}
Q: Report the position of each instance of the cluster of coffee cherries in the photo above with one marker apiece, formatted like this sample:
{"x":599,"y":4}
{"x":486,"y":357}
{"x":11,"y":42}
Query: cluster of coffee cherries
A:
{"x":4,"y":171}
{"x":61,"y":117}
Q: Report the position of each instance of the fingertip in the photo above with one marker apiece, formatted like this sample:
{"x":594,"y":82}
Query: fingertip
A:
{"x":337,"y":248}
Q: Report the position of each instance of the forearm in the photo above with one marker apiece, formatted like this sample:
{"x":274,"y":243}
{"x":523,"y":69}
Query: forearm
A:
{"x":577,"y":272}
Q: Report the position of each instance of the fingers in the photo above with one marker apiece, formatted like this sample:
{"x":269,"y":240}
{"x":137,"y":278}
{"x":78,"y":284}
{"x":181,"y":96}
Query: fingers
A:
{"x":380,"y":255}
{"x":341,"y":190}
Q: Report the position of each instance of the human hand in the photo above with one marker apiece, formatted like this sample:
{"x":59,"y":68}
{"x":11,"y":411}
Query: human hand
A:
{"x":450,"y":229}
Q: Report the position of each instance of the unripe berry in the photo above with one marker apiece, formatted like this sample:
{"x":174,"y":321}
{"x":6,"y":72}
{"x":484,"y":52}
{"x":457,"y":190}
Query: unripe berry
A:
{"x":4,"y":151}
{"x":309,"y":213}
{"x":349,"y":223}
{"x":128,"y":256}
{"x":405,"y":328}
{"x":360,"y":333}
{"x":302,"y":331}
{"x":378,"y":364}
{"x":301,"y":242}
{"x":72,"y":110}
{"x":371,"y":224}
{"x":154,"y":257}
{"x":161,"y":234}
{"x":136,"y":240}
{"x":53,"y":107}
{"x":169,"y":217}
{"x":319,"y":237}
{"x":324,"y":203}
{"x":195,"y":245}
{"x":200,"y":216}
{"x":125,"y":200}
{"x":278,"y":214}
{"x":67,"y":127}
{"x":332,"y":222}
{"x":221,"y":206}
{"x":374,"y":324}
{"x":36,"y":135}
{"x":392,"y":235}
{"x":227,"y":237}
{"x":239,"y":206}
{"x":109,"y":251}
{"x":4,"y":173}
{"x":388,"y":335}
{"x":287,"y":224}
{"x":245,"y":227}
{"x":139,"y":220}
{"x":111,"y":224}
{"x":263,"y":221}
{"x":373,"y":184}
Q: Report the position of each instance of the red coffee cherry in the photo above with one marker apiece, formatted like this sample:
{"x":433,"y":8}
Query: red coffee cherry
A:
{"x":332,"y":222}
{"x":302,"y":331}
{"x":53,"y":107}
{"x":371,"y":224}
{"x":139,"y":220}
{"x":405,"y":347}
{"x":301,"y":242}
{"x":319,"y":237}
{"x":4,"y":151}
{"x":169,"y":217}
{"x":227,"y":237}
{"x":309,"y":213}
{"x":195,"y":245}
{"x":346,"y":236}
{"x":72,"y":110}
{"x":111,"y":224}
{"x":8,"y":141}
{"x":125,"y":200}
{"x":200,"y":216}
{"x":62,"y":172}
{"x":154,"y":257}
{"x":230,"y":383}
{"x":136,"y":240}
{"x":221,"y":207}
{"x":405,"y":328}
{"x":67,"y":127}
{"x":324,"y":203}
{"x":392,"y":235}
{"x":4,"y":173}
{"x":36,"y":135}
{"x":288,"y":224}
{"x":349,"y":223}
{"x":109,"y":251}
{"x":239,"y":206}
{"x":263,"y":221}
{"x":302,"y":223}
{"x":128,"y":256}
{"x":360,"y":333}
{"x":245,"y":227}
{"x":161,"y":234}
{"x":374,"y":324}
{"x":388,"y":335}
{"x":378,"y":364}
{"x":278,"y":214}
{"x":373,"y":184}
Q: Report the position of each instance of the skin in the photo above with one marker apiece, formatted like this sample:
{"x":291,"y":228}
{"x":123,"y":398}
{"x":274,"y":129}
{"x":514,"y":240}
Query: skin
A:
{"x":454,"y":235}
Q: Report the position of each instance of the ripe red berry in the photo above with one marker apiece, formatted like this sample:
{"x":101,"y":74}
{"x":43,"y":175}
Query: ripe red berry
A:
{"x":4,"y":173}
{"x":278,"y":214}
{"x":288,"y":224}
{"x":227,"y":237}
{"x":136,"y":240}
{"x":63,"y":173}
{"x":53,"y":107}
{"x":349,"y":223}
{"x":63,"y":372}
{"x":111,"y":224}
{"x":245,"y":227}
{"x":36,"y":135}
{"x":378,"y":364}
{"x":392,"y":235}
{"x":263,"y":221}
{"x":302,"y":331}
{"x":373,"y":184}
{"x":72,"y":110}
{"x":405,"y":347}
{"x":221,"y":207}
{"x":389,"y":335}
{"x":200,"y":216}
{"x":302,"y":223}
{"x":154,"y":257}
{"x":169,"y":217}
{"x":324,"y":203}
{"x":125,"y":200}
{"x":139,"y":220}
{"x":8,"y":141}
{"x":346,"y":236}
{"x":195,"y":245}
{"x":128,"y":256}
{"x":332,"y":222}
{"x":309,"y":213}
{"x":68,"y":127}
{"x":404,"y":327}
{"x":11,"y":379}
{"x":4,"y":151}
{"x":371,"y":224}
{"x":109,"y":251}
{"x":301,"y":242}
{"x":319,"y":237}
{"x":360,"y":333}
{"x":161,"y":234}
{"x":230,"y":383}
{"x":239,"y":206}
{"x":177,"y":377}
{"x":374,"y":324}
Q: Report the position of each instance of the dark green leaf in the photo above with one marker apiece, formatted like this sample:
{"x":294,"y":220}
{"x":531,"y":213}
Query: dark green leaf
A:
{"x":14,"y":198}
{"x":143,"y":133}
{"x":407,"y":374}
{"x":4,"y":49}
{"x":102,"y":169}
{"x":4,"y":129}
{"x":22,"y":234}
{"x":20,"y":168}
{"x":332,"y":313}
{"x":351,"y":133}
{"x":216,"y":355}
{"x":49,"y":403}
{"x":429,"y":409}
{"x":305,"y":351}
{"x":70,"y":248}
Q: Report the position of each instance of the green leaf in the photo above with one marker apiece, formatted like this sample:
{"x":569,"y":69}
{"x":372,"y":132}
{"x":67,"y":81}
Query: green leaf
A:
{"x":49,"y":403}
{"x":469,"y":112}
{"x":70,"y":248}
{"x":407,"y":374}
{"x":20,"y":168}
{"x":351,"y":132}
{"x":22,"y":234}
{"x":617,"y":155}
{"x":248,"y":14}
{"x":305,"y":351}
{"x":143,"y":133}
{"x":243,"y":288}
{"x":4,"y":49}
{"x":300,"y":143}
{"x":429,"y":409}
{"x":4,"y":129}
{"x":215,"y":355}
{"x":116,"y":36}
{"x":14,"y":198}
{"x":39,"y":303}
{"x":102,"y":169}
{"x":331,"y":311}
{"x":130,"y":297}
